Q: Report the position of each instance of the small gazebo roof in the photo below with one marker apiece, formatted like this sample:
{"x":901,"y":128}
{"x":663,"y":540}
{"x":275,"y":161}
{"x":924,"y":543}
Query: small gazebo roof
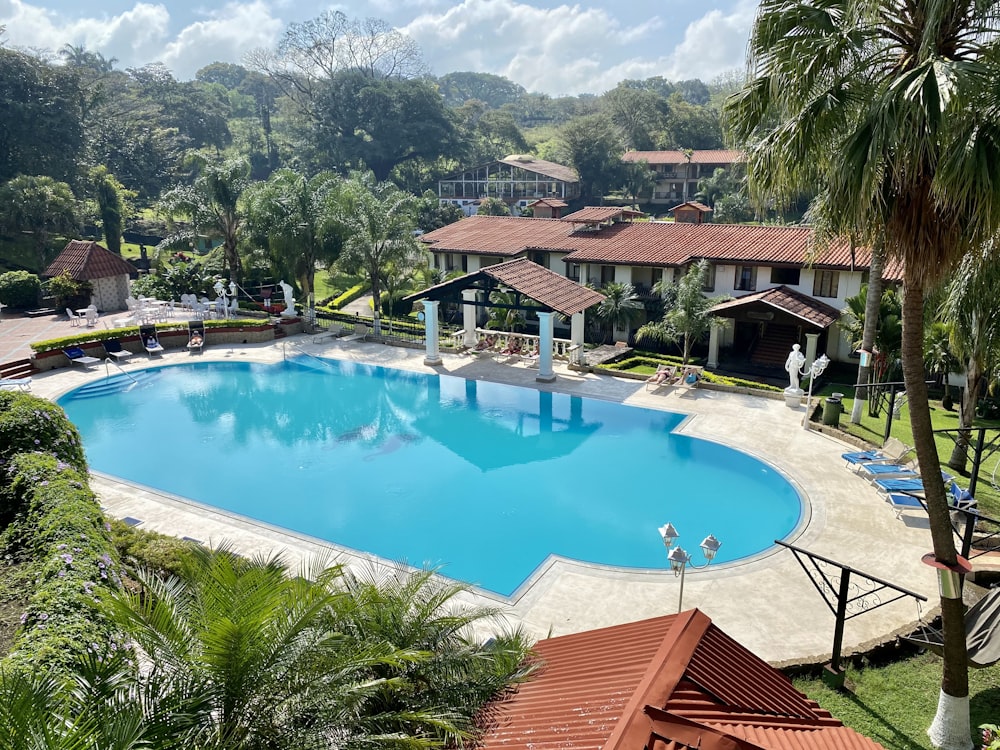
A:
{"x":700,"y":207}
{"x":550,"y":290}
{"x":601,"y":214}
{"x":86,"y":261}
{"x":789,"y":301}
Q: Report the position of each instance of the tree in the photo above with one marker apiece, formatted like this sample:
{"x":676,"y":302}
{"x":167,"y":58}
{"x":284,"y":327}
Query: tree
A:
{"x":295,"y":218}
{"x":212,"y":204}
{"x":377,"y":220}
{"x":113,"y":206}
{"x":873,"y":296}
{"x":881,"y":325}
{"x":492,"y":207}
{"x":431,"y":213}
{"x":637,"y":180}
{"x":590,"y":147}
{"x":619,"y":308}
{"x":493,"y":90}
{"x":891,"y":105}
{"x":40,"y":205}
{"x":689,"y":125}
{"x":687,"y":319}
{"x":973,"y":318}
{"x":635,"y":114}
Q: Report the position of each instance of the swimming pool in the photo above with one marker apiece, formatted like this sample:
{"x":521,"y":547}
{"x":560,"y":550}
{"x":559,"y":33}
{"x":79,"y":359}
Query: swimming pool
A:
{"x":483,"y":479}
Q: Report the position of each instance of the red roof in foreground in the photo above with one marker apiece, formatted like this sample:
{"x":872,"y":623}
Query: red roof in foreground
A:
{"x":667,"y":683}
{"x":85,"y":261}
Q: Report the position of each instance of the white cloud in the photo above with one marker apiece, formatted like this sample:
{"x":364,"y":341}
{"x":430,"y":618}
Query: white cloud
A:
{"x":714,"y":44}
{"x":227,"y":35}
{"x":127,"y":36}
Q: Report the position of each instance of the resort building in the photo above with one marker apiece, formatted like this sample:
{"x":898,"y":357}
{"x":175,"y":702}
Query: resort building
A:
{"x":516,"y":180}
{"x":108,"y":274}
{"x":677,"y":172}
{"x":669,"y":683}
{"x":785,"y":289}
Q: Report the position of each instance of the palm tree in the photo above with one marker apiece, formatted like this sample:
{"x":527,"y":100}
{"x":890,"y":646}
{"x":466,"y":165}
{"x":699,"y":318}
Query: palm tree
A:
{"x":686,"y":318}
{"x":214,"y":204}
{"x":619,"y":308}
{"x":892,"y":107}
{"x":973,"y":317}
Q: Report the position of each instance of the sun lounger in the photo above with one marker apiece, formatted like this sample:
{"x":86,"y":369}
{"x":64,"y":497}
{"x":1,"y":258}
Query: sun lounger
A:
{"x":361,"y":332}
{"x":876,"y":470}
{"x":114,"y":349}
{"x":196,"y":335}
{"x":664,"y":375}
{"x":958,"y":499}
{"x":77,"y":356}
{"x":906,"y":484}
{"x":14,"y":384}
{"x":485,"y":346}
{"x":150,"y":341}
{"x":690,"y":376}
{"x":892,"y":452}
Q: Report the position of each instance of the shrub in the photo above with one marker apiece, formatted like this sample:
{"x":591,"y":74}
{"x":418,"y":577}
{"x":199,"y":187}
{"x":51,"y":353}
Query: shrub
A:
{"x":150,"y":285}
{"x":69,"y":292}
{"x":397,"y":306}
{"x":62,"y":530}
{"x":149,"y":549}
{"x":20,"y":289}
{"x":349,"y":296}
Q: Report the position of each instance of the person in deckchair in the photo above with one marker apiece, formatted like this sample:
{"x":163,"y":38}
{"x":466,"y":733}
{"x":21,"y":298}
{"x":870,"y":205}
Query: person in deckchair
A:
{"x":196,"y":339}
{"x":151,"y":341}
{"x":662,"y":375}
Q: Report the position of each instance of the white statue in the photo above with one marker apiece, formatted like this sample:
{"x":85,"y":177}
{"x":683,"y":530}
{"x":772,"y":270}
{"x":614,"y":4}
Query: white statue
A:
{"x":286,"y":290}
{"x":793,"y":366}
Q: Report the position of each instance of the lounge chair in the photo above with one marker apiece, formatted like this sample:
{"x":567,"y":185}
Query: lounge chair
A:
{"x":664,"y":375}
{"x":958,"y":499}
{"x":485,"y":346}
{"x":150,"y":341}
{"x":905,"y":484}
{"x":14,"y":384}
{"x":77,"y":356}
{"x":196,"y":335}
{"x":690,"y":376}
{"x":361,"y":332}
{"x":876,"y":470}
{"x":892,"y":452}
{"x":114,"y":349}
{"x":511,"y":352}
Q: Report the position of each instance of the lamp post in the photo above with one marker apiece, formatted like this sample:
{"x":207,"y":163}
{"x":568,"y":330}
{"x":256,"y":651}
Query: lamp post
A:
{"x":815,"y":370}
{"x":680,"y":560}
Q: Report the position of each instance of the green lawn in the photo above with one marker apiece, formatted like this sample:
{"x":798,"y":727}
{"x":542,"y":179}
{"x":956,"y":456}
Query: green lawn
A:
{"x":895,"y":704}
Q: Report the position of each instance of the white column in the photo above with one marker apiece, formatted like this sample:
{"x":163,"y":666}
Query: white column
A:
{"x":545,"y":373}
{"x":469,"y":318}
{"x":433,"y":356}
{"x":576,"y":339}
{"x":811,"y":340}
{"x":713,"y":347}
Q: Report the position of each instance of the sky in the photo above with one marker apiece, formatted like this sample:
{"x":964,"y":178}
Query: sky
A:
{"x":547,"y":47}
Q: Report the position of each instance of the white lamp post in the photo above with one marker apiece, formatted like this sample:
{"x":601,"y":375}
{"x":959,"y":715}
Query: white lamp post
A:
{"x":680,"y":560}
{"x":815,"y":370}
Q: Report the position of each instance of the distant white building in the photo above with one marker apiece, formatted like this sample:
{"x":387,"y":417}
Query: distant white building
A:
{"x":677,"y":173}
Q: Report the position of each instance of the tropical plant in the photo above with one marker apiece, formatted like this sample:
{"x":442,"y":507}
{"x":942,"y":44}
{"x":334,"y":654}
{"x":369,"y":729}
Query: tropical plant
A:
{"x":69,"y":292}
{"x":114,"y":206}
{"x":973,"y":318}
{"x":503,"y":313}
{"x":637,"y":181}
{"x":39,"y":205}
{"x":376,"y":219}
{"x":891,"y":105}
{"x":492,"y":207}
{"x":687,"y":319}
{"x":939,"y":359}
{"x":295,"y":218}
{"x":213,"y":204}
{"x":619,"y":308}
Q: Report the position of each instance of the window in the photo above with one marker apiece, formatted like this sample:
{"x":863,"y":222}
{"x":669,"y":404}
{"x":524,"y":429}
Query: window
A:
{"x":656,"y":276}
{"x":607,"y":274}
{"x":746,"y":279}
{"x":825,"y":283}
{"x":785,"y":276}
{"x":709,"y":279}
{"x":465,"y":263}
{"x":573,"y":271}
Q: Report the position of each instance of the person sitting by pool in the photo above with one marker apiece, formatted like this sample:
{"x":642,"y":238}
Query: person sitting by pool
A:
{"x":196,"y":340}
{"x":151,"y":342}
{"x":513,"y":347}
{"x":664,"y":375}
{"x":485,"y":344}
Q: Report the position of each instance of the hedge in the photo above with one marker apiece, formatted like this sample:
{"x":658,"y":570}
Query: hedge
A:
{"x":349,"y":296}
{"x":96,"y":336}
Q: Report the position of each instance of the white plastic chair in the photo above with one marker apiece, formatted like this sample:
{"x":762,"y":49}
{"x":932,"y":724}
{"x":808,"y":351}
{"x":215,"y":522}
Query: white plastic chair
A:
{"x":74,"y":319}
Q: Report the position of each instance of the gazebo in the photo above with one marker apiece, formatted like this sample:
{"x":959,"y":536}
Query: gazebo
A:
{"x":552,"y":293}
{"x":107,"y":273}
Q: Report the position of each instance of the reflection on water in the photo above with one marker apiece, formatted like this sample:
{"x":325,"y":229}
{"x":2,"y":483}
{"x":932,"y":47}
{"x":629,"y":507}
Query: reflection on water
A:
{"x":483,"y":478}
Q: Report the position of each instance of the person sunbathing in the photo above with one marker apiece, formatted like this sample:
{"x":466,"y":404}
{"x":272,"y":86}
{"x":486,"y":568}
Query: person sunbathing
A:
{"x":513,"y":347}
{"x":662,"y":375}
{"x":484,"y":344}
{"x":196,"y":339}
{"x":152,"y":342}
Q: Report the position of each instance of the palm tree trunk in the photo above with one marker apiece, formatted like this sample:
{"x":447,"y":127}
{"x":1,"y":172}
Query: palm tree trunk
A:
{"x":966,"y":415}
{"x":872,"y":303}
{"x":950,"y":729}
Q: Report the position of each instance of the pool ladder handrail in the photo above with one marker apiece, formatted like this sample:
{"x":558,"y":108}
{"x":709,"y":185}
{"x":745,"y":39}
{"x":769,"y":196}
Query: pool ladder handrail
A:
{"x":107,"y":372}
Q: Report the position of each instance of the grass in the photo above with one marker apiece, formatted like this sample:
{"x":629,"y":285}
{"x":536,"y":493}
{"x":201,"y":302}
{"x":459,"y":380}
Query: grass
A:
{"x":895,"y":704}
{"x":332,"y":284}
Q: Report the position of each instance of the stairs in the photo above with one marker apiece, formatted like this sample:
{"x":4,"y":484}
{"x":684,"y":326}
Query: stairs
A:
{"x":21,"y":368}
{"x":772,"y":350}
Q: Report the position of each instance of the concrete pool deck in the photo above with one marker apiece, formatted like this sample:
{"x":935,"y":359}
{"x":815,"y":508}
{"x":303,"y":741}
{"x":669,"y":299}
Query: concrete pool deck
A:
{"x":767,"y":603}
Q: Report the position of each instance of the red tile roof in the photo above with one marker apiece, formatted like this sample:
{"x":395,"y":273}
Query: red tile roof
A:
{"x":85,"y":261}
{"x":790,"y":301}
{"x":669,"y":682}
{"x":553,"y":202}
{"x":679,"y":157}
{"x":692,"y":204}
{"x":648,"y":243}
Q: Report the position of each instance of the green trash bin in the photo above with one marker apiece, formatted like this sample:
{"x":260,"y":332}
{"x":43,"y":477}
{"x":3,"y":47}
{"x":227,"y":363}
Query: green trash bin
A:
{"x":832,"y":408}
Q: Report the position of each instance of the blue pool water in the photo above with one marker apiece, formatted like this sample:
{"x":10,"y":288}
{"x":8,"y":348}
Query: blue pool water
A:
{"x":483,"y":479}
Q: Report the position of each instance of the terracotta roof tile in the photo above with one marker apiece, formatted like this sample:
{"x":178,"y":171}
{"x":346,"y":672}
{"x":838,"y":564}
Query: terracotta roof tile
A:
{"x":547,"y":168}
{"x":692,"y":204}
{"x":85,"y":261}
{"x":679,"y":157}
{"x":670,"y":682}
{"x":555,"y":291}
{"x":649,"y":243}
{"x":553,"y":202}
{"x":599,"y":214}
{"x":791,"y":301}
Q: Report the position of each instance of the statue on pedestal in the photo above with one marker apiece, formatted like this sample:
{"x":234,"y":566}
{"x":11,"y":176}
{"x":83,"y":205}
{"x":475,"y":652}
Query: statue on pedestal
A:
{"x":286,"y":290}
{"x":793,"y":366}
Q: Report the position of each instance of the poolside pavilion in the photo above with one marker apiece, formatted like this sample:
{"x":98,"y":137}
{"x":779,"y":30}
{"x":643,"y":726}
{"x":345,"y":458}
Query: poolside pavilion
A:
{"x":554,"y":294}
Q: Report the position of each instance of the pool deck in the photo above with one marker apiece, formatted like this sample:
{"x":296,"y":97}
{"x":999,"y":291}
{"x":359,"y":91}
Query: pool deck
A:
{"x":767,"y":603}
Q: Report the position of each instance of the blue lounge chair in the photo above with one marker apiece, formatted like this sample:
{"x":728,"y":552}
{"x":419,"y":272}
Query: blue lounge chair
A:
{"x":905,"y":484}
{"x":877,"y":470}
{"x":77,"y":356}
{"x":892,"y":452}
{"x":114,"y":349}
{"x":958,"y":499}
